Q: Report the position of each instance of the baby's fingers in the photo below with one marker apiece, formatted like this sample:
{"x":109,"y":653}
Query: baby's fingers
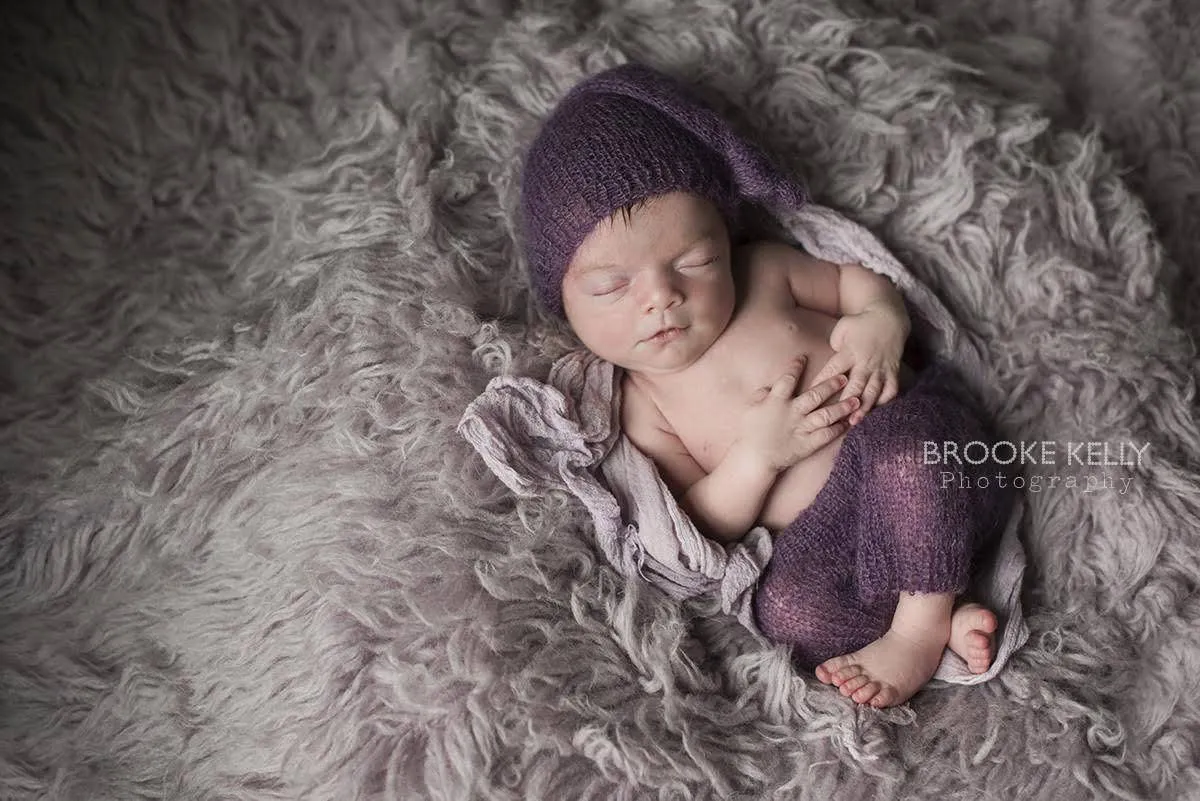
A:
{"x":820,"y":437}
{"x":785,"y":385}
{"x":860,"y":376}
{"x":818,"y":394}
{"x":838,"y":363}
{"x":869,"y":395}
{"x":831,"y":416}
{"x":891,"y":388}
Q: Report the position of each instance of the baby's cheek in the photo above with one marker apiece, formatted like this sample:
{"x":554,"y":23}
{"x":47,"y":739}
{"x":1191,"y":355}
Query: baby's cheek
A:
{"x":604,"y":332}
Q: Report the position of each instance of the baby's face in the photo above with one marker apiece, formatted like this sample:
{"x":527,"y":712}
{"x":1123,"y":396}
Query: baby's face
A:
{"x":668,"y":268}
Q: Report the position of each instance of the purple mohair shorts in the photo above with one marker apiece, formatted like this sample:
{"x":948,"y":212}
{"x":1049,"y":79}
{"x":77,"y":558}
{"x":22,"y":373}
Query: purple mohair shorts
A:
{"x":886,"y":522}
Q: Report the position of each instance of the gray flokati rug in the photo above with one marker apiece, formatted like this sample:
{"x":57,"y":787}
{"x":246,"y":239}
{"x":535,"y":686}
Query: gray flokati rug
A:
{"x":259,"y":257}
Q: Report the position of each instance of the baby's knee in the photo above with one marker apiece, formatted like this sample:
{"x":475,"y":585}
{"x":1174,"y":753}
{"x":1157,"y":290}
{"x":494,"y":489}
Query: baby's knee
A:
{"x":783,"y":618}
{"x":896,"y":471}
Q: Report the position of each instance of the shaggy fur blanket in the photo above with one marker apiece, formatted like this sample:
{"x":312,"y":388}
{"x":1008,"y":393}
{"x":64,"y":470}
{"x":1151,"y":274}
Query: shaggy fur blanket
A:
{"x":258,"y":257}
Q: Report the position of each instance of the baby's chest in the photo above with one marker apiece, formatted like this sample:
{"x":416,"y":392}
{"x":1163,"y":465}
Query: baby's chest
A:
{"x":707,"y":427}
{"x":753,"y":353}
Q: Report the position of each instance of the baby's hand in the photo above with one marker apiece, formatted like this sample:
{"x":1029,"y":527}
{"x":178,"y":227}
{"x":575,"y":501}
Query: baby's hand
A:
{"x":869,"y":344}
{"x":780,"y":430}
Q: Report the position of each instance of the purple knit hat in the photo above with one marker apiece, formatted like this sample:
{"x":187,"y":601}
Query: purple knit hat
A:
{"x":628,"y":134}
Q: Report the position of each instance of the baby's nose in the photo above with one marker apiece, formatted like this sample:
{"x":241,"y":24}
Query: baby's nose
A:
{"x":661,"y":290}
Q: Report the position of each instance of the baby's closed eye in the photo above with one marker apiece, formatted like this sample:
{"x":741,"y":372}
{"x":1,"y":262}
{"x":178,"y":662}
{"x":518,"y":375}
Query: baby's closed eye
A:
{"x":607,"y":289}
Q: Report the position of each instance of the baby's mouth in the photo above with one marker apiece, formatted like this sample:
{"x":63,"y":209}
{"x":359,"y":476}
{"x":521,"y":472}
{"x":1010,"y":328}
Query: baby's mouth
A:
{"x":666,"y":335}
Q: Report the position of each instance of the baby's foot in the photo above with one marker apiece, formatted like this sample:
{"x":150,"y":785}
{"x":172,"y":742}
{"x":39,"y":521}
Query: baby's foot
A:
{"x":889,"y":671}
{"x":971,"y":636}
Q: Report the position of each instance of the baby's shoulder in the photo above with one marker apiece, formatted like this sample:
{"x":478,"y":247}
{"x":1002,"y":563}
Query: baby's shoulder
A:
{"x":767,"y":267}
{"x":638,"y":409}
{"x":765,"y":258}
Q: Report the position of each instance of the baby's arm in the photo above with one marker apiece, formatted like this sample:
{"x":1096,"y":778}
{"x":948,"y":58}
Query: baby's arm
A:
{"x":777,"y":431}
{"x":723,"y":504}
{"x":872,"y":328}
{"x":835,"y":289}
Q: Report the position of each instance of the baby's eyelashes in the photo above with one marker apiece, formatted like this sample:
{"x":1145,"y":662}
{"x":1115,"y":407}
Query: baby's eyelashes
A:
{"x":606,"y":287}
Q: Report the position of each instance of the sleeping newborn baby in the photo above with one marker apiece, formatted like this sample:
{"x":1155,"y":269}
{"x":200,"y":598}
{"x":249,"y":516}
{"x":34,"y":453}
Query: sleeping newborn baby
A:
{"x":767,"y":386}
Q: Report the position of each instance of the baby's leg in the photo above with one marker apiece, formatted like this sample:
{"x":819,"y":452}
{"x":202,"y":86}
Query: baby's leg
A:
{"x":810,"y":604}
{"x":808,"y":596}
{"x":915,"y":546}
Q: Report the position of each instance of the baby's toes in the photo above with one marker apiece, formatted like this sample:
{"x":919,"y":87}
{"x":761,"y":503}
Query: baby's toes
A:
{"x":867,"y":693}
{"x":978,"y":642}
{"x":887,"y":696}
{"x":982,"y":620}
{"x":853,"y":685}
{"x":848,"y":672}
{"x":979,"y":652}
{"x":827,"y":671}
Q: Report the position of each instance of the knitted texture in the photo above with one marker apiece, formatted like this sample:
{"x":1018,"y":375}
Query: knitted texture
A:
{"x":885,"y":522}
{"x":624,"y":135}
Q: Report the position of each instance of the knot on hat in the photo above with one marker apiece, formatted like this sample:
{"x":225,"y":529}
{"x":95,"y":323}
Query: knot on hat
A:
{"x":621,"y":136}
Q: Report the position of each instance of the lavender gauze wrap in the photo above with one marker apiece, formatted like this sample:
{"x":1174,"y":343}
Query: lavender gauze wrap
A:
{"x":881,"y":524}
